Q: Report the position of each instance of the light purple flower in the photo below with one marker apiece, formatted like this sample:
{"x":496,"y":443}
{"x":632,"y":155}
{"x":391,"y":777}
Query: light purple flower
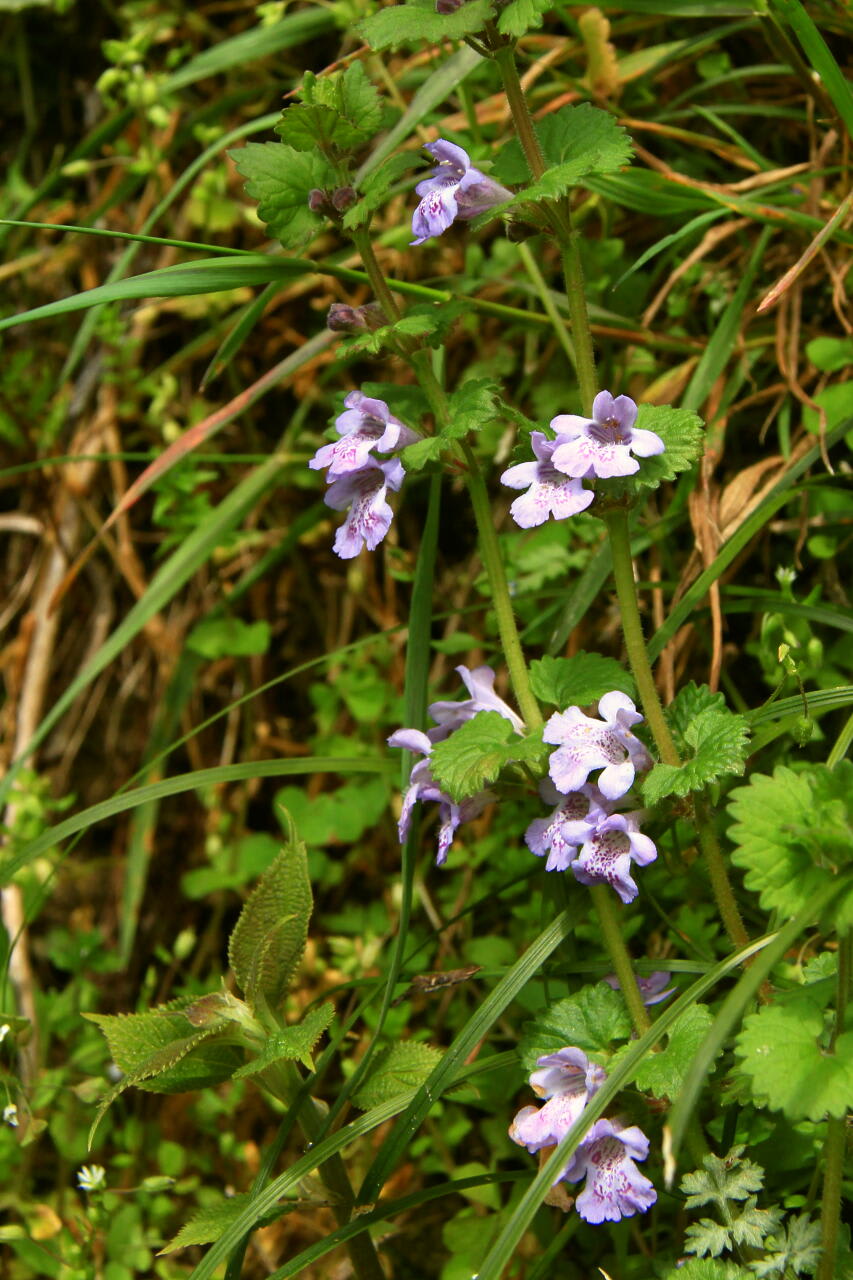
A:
{"x":615,"y":1188}
{"x":602,"y":445}
{"x":423,"y":787}
{"x":480,"y":685}
{"x":567,"y":1079}
{"x":607,"y":855}
{"x":364,"y":425}
{"x":369,"y":517}
{"x":586,"y":744}
{"x":651,"y":988}
{"x":550,"y":492}
{"x":570,"y":825}
{"x":455,"y":189}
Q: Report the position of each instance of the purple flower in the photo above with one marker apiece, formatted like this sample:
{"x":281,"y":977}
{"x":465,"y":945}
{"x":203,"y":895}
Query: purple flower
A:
{"x":607,"y":855}
{"x":569,"y":826}
{"x":602,"y":445}
{"x":480,"y":685}
{"x":422,"y":786}
{"x":369,"y":517}
{"x":586,"y":744}
{"x":551,"y":492}
{"x":651,"y":988}
{"x":615,"y":1188}
{"x":455,"y":189}
{"x":567,"y":1079}
{"x":364,"y":425}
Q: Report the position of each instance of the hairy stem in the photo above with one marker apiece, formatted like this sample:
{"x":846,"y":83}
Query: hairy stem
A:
{"x":836,"y":1131}
{"x":384,"y":296}
{"x":718,"y":873}
{"x":560,"y":218}
{"x":612,"y":934}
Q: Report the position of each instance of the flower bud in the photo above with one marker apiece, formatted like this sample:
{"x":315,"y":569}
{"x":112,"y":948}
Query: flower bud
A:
{"x":318,"y":201}
{"x":344,"y":198}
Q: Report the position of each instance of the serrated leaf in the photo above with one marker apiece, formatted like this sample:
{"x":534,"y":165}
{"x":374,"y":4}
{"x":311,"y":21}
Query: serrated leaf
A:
{"x":793,"y":833}
{"x":718,"y":740}
{"x":706,"y":1237}
{"x":470,"y":408}
{"x":577,"y":141}
{"x":521,"y":16}
{"x":683,"y":434}
{"x":788,"y":1067}
{"x":796,"y":1249}
{"x":397,"y":1069}
{"x":721,"y":1180}
{"x":752,"y":1224}
{"x":417,"y":23}
{"x":591,"y":1020}
{"x":708,"y":1269}
{"x":373,"y":190}
{"x":341,"y":111}
{"x":213,"y":1220}
{"x":269,"y":938}
{"x":664,"y":1073}
{"x":579,"y":680}
{"x":691,"y":699}
{"x":280,"y":178}
{"x":415,"y":456}
{"x":475,"y":753}
{"x":431,"y":321}
{"x":292,"y":1043}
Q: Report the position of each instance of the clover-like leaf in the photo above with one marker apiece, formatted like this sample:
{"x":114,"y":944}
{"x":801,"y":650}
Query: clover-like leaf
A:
{"x":793,"y":833}
{"x":718,"y":740}
{"x":579,"y":680}
{"x":417,"y":23}
{"x":590,"y":1020}
{"x":280,"y":178}
{"x":807,"y":1081}
{"x":477,"y":751}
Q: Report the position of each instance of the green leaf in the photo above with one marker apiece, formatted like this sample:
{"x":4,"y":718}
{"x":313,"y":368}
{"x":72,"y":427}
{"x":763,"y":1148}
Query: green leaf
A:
{"x":793,"y":835}
{"x":430,"y":322}
{"x":579,"y":680}
{"x":341,"y":111}
{"x":373,"y":189}
{"x":521,"y":16}
{"x":683,"y":434}
{"x":210,"y":1222}
{"x":706,"y":1269}
{"x":790,"y":1068}
{"x":722,"y":1179}
{"x":471,"y":407}
{"x":229,"y":637}
{"x":397,"y":1069}
{"x":797,"y":1249}
{"x":663,"y":1073}
{"x":576,"y":141}
{"x":690,"y":700}
{"x":718,"y":740}
{"x":417,"y":23}
{"x":292,"y":1043}
{"x":591,"y":1020}
{"x":475,"y":754}
{"x":269,"y":938}
{"x":280,"y":178}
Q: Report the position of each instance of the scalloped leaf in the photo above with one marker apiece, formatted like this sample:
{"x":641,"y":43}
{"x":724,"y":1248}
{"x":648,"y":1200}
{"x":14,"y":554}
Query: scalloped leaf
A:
{"x":664,"y":1073}
{"x":579,"y":680}
{"x":718,"y":740}
{"x":343,"y":110}
{"x":709,"y":1269}
{"x":690,"y":700}
{"x":292,"y":1043}
{"x":794,"y":832}
{"x":280,"y":178}
{"x":591,"y":1020}
{"x":269,"y":938}
{"x":806,"y":1081}
{"x":417,"y":23}
{"x":397,"y":1069}
{"x":475,"y":753}
{"x":683,"y":434}
{"x":521,"y":16}
{"x":577,"y":141}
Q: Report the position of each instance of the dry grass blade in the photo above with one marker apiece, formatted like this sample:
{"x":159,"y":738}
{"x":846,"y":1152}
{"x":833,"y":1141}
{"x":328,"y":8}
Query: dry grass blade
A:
{"x":793,"y":273}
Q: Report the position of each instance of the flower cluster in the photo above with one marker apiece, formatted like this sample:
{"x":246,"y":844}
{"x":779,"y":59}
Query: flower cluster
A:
{"x":583,"y":832}
{"x":614,"y":1187}
{"x":585,"y":448}
{"x":448,"y":717}
{"x":454,"y":189}
{"x":358,"y":482}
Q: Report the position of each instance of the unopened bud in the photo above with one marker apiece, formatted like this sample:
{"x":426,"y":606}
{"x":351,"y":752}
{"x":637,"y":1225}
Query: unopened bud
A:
{"x":345,"y":319}
{"x":318,"y":201}
{"x":448,"y":6}
{"x":344,"y":198}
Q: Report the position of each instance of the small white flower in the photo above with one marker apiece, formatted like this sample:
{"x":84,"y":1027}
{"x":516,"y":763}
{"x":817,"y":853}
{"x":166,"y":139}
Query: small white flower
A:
{"x":10,"y":1115}
{"x":91,"y":1177}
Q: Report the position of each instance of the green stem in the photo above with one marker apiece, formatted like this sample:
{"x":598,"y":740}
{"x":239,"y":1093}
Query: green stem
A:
{"x":621,"y":960}
{"x":560,"y":217}
{"x":718,"y":873}
{"x":836,"y":1131}
{"x":501,"y":600}
{"x":284,"y":1081}
{"x":384,"y":296}
{"x":632,"y":629}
